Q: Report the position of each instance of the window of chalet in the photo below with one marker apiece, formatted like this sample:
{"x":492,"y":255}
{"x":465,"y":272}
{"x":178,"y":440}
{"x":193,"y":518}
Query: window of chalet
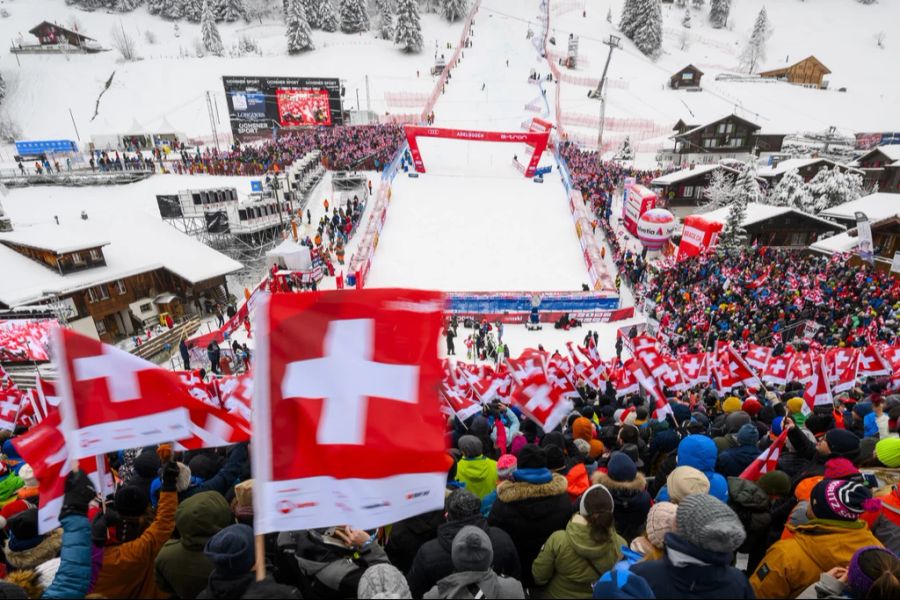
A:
{"x":688,"y":191}
{"x":77,"y":258}
{"x":120,"y":287}
{"x":97,"y":293}
{"x":96,"y":255}
{"x":687,"y":76}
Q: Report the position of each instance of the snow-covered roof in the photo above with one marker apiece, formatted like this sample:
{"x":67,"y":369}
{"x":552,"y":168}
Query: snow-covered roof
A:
{"x":875,"y":206}
{"x":757,"y":212}
{"x":136,"y":245}
{"x":892,"y":151}
{"x":842,"y":242}
{"x":55,"y":238}
{"x":676,"y":176}
{"x":797,"y":163}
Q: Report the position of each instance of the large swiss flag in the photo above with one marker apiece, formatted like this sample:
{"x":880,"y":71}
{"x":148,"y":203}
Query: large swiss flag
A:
{"x":346,"y":417}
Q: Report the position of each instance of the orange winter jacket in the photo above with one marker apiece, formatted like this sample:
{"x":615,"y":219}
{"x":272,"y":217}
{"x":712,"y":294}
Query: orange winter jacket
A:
{"x":128,"y":569}
{"x":578,"y":481}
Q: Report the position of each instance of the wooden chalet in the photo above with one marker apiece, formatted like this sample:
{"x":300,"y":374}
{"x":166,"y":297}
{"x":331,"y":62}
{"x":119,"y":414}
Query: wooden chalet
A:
{"x":55,"y":38}
{"x":809,"y":72}
{"x":885,"y":242}
{"x":779,"y":226}
{"x":730,"y":137}
{"x":686,"y":78}
{"x":881,"y":167}
{"x":807,"y":168}
{"x":681,"y":192}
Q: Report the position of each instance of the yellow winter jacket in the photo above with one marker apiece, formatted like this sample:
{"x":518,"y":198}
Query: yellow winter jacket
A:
{"x":793,"y":564}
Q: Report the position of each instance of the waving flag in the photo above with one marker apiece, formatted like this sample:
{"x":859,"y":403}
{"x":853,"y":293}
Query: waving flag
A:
{"x":767,"y":461}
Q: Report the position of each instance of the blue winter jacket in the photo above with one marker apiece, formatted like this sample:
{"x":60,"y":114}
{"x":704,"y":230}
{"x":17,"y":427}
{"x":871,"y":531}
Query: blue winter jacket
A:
{"x":700,"y":452}
{"x":74,"y":574}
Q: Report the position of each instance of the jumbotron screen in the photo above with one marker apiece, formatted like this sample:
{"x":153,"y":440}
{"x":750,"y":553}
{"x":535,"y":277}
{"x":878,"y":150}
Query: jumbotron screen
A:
{"x":258,"y":107}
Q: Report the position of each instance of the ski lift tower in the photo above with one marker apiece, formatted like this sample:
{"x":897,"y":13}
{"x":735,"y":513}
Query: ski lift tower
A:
{"x":613,"y":42}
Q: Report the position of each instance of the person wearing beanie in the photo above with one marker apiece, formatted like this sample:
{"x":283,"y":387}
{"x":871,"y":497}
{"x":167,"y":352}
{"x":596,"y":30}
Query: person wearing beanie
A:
{"x":383,"y":581}
{"x":732,"y":462}
{"x":873,"y":572}
{"x":629,"y":492}
{"x":660,"y":521}
{"x":222,"y":481}
{"x":129,"y":545}
{"x":432,"y":561}
{"x":795,"y":410}
{"x":699,"y":553}
{"x":181,"y":567}
{"x":829,"y":539}
{"x":231,"y":553}
{"x":531,"y":507}
{"x":73,"y":574}
{"x":776,"y":484}
{"x":574,"y":558}
{"x":506,"y":468}
{"x":472,"y":556}
{"x":839,"y":443}
{"x":751,"y":406}
{"x":888,"y":452}
{"x":731,"y":404}
{"x":621,"y":583}
{"x":26,"y":548}
{"x":475,"y":470}
{"x":144,"y":469}
{"x":700,"y":452}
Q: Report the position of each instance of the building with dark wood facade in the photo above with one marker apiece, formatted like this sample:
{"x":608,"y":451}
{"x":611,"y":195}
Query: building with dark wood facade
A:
{"x":686,"y":78}
{"x":780,"y":226}
{"x":681,"y":192}
{"x":730,"y":137}
{"x":807,"y":168}
{"x":881,"y":167}
{"x":885,"y":244}
{"x":49,"y":34}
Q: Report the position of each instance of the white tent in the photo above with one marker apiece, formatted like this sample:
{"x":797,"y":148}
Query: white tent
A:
{"x":290,"y":255}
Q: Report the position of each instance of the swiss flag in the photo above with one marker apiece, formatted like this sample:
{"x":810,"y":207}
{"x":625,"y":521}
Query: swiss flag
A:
{"x":237,"y":395}
{"x":623,"y":378}
{"x":871,"y":363}
{"x":44,"y":449}
{"x":458,"y":405}
{"x":844,"y":364}
{"x":767,"y":461}
{"x":346,"y":416}
{"x":542,"y":401}
{"x":758,"y":356}
{"x":777,"y":369}
{"x":801,"y":367}
{"x":694,"y":368}
{"x":10,"y":405}
{"x":818,"y":390}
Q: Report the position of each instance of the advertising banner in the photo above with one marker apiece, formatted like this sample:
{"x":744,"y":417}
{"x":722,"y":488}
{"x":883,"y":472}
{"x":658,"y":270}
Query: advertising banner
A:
{"x":259,"y":106}
{"x":864,"y":233}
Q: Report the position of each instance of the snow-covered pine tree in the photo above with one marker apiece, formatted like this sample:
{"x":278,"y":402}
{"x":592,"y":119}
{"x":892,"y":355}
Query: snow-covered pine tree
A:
{"x":354,"y":16}
{"x":453,"y":10}
{"x":698,"y":4}
{"x":233,"y":10}
{"x":626,"y":152}
{"x":386,"y":20}
{"x":193,"y":10}
{"x":733,"y":234}
{"x":746,"y":186}
{"x":409,"y":26}
{"x":209,"y":31}
{"x":609,"y":15}
{"x":155,"y":6}
{"x":2,"y":88}
{"x":755,"y":50}
{"x":172,"y":9}
{"x":299,"y":35}
{"x":718,"y":13}
{"x":832,"y":187}
{"x":719,"y":191}
{"x":127,"y":5}
{"x":629,"y":19}
{"x":647,"y":33}
{"x":791,"y":191}
{"x":327,"y":16}
{"x":686,"y":19}
{"x":312,"y":13}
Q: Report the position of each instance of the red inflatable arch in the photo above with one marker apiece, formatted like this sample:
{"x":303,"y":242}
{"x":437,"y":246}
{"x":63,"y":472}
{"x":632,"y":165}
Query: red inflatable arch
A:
{"x":538,"y":140}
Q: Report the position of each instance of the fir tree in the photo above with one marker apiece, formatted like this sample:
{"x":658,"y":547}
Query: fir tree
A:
{"x":734,"y":235}
{"x":155,"y":6}
{"x":386,"y":20}
{"x":193,"y":10}
{"x":718,"y":13}
{"x":127,"y":5}
{"x":172,"y":10}
{"x":755,"y":50}
{"x":409,"y":26}
{"x":686,"y":19}
{"x":209,"y":31}
{"x":299,"y":36}
{"x":791,"y":191}
{"x":312,"y":14}
{"x":746,"y":186}
{"x":629,"y":20}
{"x":354,"y":16}
{"x":647,"y":33}
{"x":327,"y":16}
{"x":233,"y":10}
{"x":719,"y":191}
{"x":830,"y":188}
{"x":2,"y":88}
{"x":453,"y":10}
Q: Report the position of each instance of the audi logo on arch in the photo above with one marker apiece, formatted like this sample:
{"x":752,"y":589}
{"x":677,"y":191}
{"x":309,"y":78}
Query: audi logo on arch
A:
{"x":432,"y":132}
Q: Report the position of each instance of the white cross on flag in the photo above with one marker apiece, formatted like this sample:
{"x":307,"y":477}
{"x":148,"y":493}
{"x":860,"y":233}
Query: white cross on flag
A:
{"x":758,"y":356}
{"x":777,"y":369}
{"x":623,"y":378}
{"x":871,"y":363}
{"x":846,"y":363}
{"x":818,"y":390}
{"x":543,"y":402}
{"x":767,"y":461}
{"x":694,"y":368}
{"x":346,"y":416}
{"x":10,"y":405}
{"x":801,"y":367}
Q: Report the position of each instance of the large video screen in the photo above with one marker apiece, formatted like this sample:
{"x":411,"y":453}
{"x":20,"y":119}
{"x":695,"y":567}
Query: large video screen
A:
{"x":259,"y":106}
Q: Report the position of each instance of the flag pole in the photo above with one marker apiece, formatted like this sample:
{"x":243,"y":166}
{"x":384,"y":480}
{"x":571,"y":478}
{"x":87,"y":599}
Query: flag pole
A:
{"x":260,"y":546}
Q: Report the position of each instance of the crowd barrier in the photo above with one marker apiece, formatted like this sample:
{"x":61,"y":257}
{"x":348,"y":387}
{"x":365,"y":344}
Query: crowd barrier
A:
{"x":454,"y":59}
{"x":406,"y":99}
{"x":400,"y":119}
{"x":515,"y":307}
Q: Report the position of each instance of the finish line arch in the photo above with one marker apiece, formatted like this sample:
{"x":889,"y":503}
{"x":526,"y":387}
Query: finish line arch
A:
{"x":537,"y":139}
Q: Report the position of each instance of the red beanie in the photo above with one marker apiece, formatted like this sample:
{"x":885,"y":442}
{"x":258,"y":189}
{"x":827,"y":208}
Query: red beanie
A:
{"x":751,"y":406}
{"x":11,"y":510}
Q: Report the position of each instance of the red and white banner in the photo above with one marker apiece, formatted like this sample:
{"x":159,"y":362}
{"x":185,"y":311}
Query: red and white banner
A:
{"x":25,"y":340}
{"x":818,"y":390}
{"x":345,"y":393}
{"x":767,"y":461}
{"x":536,"y":139}
{"x":542,"y":401}
{"x":698,"y":236}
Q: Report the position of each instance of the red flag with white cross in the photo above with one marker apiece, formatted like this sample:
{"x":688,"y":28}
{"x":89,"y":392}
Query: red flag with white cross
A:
{"x":346,"y":415}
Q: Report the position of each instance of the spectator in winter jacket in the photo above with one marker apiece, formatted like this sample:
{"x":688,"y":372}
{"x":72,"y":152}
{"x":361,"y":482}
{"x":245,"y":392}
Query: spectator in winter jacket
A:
{"x":383,"y":581}
{"x":73,"y":577}
{"x":699,"y":451}
{"x":26,"y":548}
{"x":531,"y":507}
{"x":873,"y":572}
{"x":129,"y":549}
{"x":506,"y":468}
{"x":660,"y":521}
{"x":833,"y":533}
{"x":685,"y":481}
{"x":574,"y":558}
{"x":629,"y":492}
{"x":433,"y":563}
{"x":698,"y":556}
{"x":472,"y":557}
{"x":212,"y":480}
{"x":231,"y":553}
{"x":732,"y":462}
{"x":477,"y":471}
{"x":144,"y":470}
{"x":182,"y":569}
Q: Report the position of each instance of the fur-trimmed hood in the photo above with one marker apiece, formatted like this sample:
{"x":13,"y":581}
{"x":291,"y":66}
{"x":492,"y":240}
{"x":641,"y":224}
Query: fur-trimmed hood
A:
{"x":514,"y":491}
{"x":28,"y":580}
{"x":638,"y":484}
{"x":31,"y":558}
